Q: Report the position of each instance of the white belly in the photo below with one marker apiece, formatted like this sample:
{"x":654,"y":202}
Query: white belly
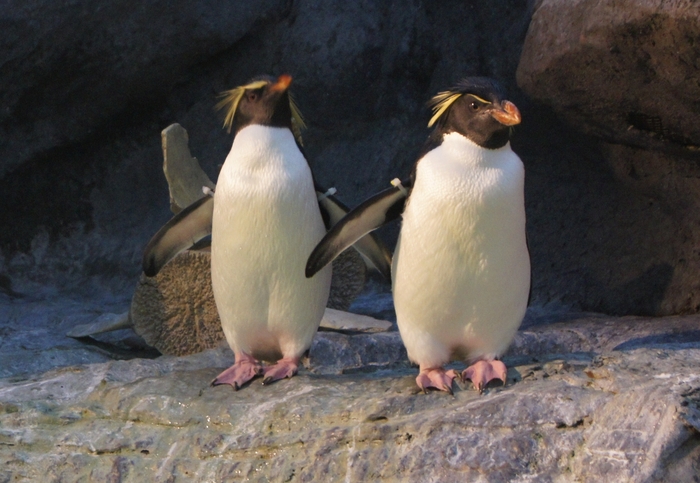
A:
{"x":266,"y":223}
{"x":461,"y":267}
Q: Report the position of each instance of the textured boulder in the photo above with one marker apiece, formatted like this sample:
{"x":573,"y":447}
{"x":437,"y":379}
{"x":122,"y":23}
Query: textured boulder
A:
{"x":175,"y":311}
{"x":588,"y":398}
{"x":628,"y":415}
{"x":186,"y":179}
{"x":625,"y":71}
{"x":72,"y":67}
{"x":618,"y":227}
{"x":625,"y":196}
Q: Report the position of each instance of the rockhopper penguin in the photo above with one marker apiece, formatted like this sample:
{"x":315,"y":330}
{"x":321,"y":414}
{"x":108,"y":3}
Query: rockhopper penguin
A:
{"x":461,"y":268}
{"x":265,"y":218}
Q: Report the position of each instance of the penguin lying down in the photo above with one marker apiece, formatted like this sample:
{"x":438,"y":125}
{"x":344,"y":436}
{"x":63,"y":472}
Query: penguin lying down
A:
{"x":461,"y":268}
{"x":265,"y":219}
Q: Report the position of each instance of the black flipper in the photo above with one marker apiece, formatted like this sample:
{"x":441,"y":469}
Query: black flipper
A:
{"x":180,"y":233}
{"x":374,"y":253}
{"x":371,"y":214}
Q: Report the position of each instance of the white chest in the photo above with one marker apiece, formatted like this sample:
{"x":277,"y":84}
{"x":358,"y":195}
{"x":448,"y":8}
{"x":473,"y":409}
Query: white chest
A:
{"x":467,"y":191}
{"x":461,"y":267}
{"x":266,"y":222}
{"x":263,"y":161}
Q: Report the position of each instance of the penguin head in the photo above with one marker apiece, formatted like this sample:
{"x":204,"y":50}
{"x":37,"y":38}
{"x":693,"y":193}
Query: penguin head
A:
{"x":265,"y":101}
{"x":477,"y":109}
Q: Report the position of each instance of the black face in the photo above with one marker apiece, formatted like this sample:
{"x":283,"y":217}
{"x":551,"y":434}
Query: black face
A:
{"x":267,"y":105}
{"x":481,"y":113}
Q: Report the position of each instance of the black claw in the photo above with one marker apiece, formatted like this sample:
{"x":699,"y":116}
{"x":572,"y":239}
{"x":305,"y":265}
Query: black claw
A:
{"x":267,"y":381}
{"x":449,"y":389}
{"x":425,"y":390}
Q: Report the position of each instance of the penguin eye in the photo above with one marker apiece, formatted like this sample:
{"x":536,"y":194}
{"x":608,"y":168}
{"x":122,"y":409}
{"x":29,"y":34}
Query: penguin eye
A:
{"x":474,"y":106}
{"x":252,"y":96}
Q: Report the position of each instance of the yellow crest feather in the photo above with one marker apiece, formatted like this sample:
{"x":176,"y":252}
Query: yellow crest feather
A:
{"x":443,"y":100}
{"x":480,"y":99}
{"x":440,"y":103}
{"x":298,"y":123}
{"x":231,"y":99}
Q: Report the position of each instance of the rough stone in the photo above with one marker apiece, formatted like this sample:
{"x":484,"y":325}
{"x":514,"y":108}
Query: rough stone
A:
{"x":627,"y":197}
{"x":632,"y":414}
{"x":625,"y":71}
{"x":349,"y":277}
{"x":185,"y":177}
{"x":175,"y":311}
{"x":349,"y":322}
{"x":588,"y":397}
{"x":70,"y":68}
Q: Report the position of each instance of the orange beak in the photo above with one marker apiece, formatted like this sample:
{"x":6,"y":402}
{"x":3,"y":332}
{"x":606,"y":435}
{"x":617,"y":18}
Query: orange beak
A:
{"x":508,"y":115}
{"x":282,"y":83}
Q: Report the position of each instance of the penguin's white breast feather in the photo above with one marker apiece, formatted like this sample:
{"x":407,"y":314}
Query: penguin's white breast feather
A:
{"x":462,"y":268}
{"x":266,"y":222}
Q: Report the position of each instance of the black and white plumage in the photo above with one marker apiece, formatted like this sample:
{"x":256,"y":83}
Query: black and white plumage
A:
{"x":461,"y":268}
{"x":264,"y":219}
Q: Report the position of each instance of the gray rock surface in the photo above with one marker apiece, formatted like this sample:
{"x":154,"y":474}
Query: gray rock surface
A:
{"x":624,"y":73}
{"x":186,"y":179}
{"x":631,"y":414}
{"x":72,"y":67}
{"x":635,"y":65}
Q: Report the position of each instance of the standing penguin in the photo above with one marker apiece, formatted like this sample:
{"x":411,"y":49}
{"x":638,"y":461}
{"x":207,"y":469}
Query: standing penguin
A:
{"x":264,"y":221}
{"x":461,"y":268}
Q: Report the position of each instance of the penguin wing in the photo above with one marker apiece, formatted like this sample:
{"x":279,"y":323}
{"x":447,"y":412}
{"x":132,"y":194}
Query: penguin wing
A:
{"x":371,"y":214}
{"x":374,"y":253}
{"x":180,"y":233}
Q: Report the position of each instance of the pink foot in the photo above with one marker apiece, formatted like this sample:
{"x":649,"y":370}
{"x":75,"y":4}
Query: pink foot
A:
{"x":436,"y":378}
{"x":286,"y":367}
{"x":481,"y":372}
{"x":245,"y":369}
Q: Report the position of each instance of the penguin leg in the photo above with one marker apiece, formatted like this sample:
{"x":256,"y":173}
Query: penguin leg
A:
{"x":285,"y":367}
{"x":482,"y":372}
{"x":245,"y":369}
{"x":436,"y":378}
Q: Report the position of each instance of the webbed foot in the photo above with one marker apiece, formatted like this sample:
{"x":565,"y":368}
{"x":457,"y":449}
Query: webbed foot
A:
{"x":245,"y":369}
{"x":482,"y":372}
{"x":286,"y":367}
{"x":436,"y":378}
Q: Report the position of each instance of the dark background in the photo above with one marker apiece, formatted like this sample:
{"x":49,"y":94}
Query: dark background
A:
{"x":613,"y":174}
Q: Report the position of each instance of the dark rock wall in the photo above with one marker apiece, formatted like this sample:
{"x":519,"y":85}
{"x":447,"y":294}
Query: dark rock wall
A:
{"x":88,"y":86}
{"x":626,"y":73}
{"x":611,"y":228}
